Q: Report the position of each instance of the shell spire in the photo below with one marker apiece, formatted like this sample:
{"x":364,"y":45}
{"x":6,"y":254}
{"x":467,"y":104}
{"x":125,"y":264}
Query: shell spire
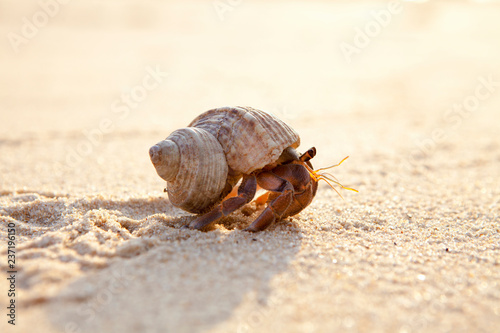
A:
{"x":166,"y":159}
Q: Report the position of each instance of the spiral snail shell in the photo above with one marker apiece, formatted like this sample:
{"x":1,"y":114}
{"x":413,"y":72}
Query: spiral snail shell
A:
{"x":201,"y":163}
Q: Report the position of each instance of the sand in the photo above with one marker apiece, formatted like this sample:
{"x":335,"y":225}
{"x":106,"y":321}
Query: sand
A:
{"x":416,"y":106}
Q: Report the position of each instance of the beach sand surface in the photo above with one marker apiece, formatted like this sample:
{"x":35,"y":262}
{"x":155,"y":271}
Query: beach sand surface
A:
{"x":411,"y":93}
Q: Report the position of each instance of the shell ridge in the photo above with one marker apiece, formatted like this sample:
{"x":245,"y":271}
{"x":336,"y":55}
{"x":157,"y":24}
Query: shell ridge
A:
{"x":205,"y":170}
{"x":182,"y":182}
{"x":282,"y":131}
{"x":263,"y":142}
{"x":233,"y":124}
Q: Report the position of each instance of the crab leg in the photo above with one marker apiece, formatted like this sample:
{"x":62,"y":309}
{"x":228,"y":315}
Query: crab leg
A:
{"x":276,"y":207}
{"x":292,"y":189}
{"x":246,"y":192}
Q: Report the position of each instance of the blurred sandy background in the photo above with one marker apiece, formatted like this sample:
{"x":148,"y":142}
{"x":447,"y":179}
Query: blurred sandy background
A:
{"x":416,"y":105}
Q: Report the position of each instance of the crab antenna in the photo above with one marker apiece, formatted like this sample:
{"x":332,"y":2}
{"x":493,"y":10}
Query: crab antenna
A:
{"x":336,"y":182}
{"x":340,"y":195}
{"x":328,"y":178}
{"x":311,"y":171}
{"x":329,"y":175}
{"x":333,"y":166}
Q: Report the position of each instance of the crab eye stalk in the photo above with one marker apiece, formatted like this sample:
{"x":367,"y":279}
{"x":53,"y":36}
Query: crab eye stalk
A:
{"x":308,"y":155}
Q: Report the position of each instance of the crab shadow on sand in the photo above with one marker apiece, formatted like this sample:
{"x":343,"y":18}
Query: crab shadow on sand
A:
{"x":184,"y":280}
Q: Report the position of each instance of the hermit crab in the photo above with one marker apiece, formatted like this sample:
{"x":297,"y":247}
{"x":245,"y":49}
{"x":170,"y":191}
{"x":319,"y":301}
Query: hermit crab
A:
{"x":203,"y":162}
